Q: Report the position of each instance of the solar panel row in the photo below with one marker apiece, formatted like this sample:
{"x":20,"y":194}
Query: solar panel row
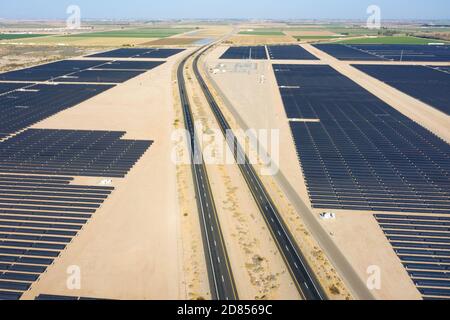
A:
{"x":71,"y":152}
{"x":252,"y":52}
{"x":82,"y":71}
{"x":130,"y":65}
{"x":289,"y":52}
{"x":346,"y":53}
{"x":49,"y":71}
{"x":428,"y":84}
{"x":361,"y":154}
{"x":39,"y":216}
{"x":276,"y":52}
{"x":138,"y":53}
{"x":387,"y":52}
{"x":422,"y":243}
{"x":22,"y":108}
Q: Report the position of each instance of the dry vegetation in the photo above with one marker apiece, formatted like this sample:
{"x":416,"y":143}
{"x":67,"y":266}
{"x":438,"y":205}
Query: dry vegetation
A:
{"x":14,"y":57}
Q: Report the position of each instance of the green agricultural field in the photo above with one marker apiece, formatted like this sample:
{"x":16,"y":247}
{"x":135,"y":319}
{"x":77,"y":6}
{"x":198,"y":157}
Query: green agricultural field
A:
{"x":12,"y":36}
{"x":390,"y":40}
{"x":134,"y":33}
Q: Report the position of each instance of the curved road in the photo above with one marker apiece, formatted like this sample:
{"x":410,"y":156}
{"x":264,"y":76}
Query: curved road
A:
{"x":219,"y":271}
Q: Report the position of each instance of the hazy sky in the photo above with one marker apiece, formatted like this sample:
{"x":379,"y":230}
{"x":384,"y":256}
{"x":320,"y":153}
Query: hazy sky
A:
{"x":216,"y":9}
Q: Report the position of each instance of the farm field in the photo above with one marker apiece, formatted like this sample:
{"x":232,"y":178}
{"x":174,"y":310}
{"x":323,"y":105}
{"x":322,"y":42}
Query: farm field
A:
{"x":12,"y":36}
{"x":134,"y":33}
{"x":263,"y":32}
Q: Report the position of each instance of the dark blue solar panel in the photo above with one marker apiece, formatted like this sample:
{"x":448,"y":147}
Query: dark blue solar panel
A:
{"x":388,"y":52}
{"x":31,"y":239}
{"x":361,"y":154}
{"x":130,"y":65}
{"x":20,"y":109}
{"x":71,"y":152}
{"x":83,"y":71}
{"x":101,"y":76}
{"x":289,"y":52}
{"x":246,"y":53}
{"x":344,"y":52}
{"x":424,"y":251}
{"x":50,"y":71}
{"x":427,"y":84}
{"x":139,"y":53}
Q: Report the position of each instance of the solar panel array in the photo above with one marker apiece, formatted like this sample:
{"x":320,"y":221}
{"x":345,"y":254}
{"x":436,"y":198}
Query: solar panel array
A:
{"x":80,"y":71}
{"x":246,"y":53}
{"x":39,"y":217}
{"x":346,"y":52}
{"x":130,"y":65}
{"x":138,"y":53}
{"x":361,"y":154}
{"x":22,"y":108}
{"x":289,"y":52}
{"x":387,"y":52}
{"x":49,"y":71}
{"x":101,"y":76}
{"x":40,"y":210}
{"x":422,"y":243}
{"x":428,"y":84}
{"x":71,"y":152}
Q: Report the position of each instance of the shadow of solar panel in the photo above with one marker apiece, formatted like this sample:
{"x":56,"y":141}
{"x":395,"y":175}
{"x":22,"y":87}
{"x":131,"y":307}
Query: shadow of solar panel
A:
{"x":138,"y":53}
{"x":20,"y":109}
{"x":246,"y":53}
{"x":361,"y":154}
{"x":427,"y":84}
{"x":289,"y":52}
{"x":32,"y":237}
{"x":70,"y":152}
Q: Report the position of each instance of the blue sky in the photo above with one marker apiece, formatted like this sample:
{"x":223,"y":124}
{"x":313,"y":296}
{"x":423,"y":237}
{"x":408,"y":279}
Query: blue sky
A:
{"x":216,"y":9}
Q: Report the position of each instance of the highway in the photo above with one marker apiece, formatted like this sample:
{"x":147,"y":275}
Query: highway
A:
{"x":304,"y":279}
{"x":219,"y":271}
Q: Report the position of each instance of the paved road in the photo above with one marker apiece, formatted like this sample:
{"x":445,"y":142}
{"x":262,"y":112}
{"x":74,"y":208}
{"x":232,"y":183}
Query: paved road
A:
{"x":305,"y":280}
{"x":219,"y":271}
